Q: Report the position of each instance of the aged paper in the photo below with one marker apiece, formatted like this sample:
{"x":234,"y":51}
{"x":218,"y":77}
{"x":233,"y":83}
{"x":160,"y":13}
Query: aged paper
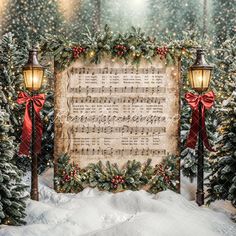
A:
{"x":117,"y":112}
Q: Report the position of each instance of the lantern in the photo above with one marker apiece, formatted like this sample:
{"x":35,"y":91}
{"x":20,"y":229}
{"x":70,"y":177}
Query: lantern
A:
{"x":33,"y":72}
{"x":200,"y":72}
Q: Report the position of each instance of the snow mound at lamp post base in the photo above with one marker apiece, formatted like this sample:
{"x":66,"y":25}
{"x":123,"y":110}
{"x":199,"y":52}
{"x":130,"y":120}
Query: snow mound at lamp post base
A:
{"x":92,"y":212}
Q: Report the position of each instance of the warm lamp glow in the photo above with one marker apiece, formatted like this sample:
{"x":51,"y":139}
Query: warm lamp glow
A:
{"x":33,"y":79}
{"x":200,"y":73}
{"x":33,"y":72}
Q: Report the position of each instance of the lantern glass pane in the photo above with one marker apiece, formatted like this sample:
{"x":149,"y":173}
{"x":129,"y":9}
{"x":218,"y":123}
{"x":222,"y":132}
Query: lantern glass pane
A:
{"x":199,"y":79}
{"x":33,"y":78}
{"x":207,"y":77}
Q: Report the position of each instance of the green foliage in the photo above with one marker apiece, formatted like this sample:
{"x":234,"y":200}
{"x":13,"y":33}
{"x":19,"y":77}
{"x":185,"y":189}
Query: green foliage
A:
{"x":110,"y":177}
{"x":11,"y":80}
{"x":164,"y":174}
{"x":96,"y":46}
{"x":12,"y":192}
{"x":222,"y":181}
{"x":12,"y":58}
{"x":107,"y":177}
{"x":69,"y":177}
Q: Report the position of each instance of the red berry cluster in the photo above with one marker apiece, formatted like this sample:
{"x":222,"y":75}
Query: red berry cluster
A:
{"x":162,"y":52}
{"x":72,"y":174}
{"x":120,"y":50}
{"x":118,"y":179}
{"x":77,"y":51}
{"x":160,"y":170}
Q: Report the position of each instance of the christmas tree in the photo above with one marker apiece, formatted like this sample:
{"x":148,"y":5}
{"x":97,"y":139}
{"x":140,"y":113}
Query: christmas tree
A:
{"x":12,"y":204}
{"x":11,"y":80}
{"x":223,"y":178}
{"x":12,"y":58}
{"x":32,"y":18}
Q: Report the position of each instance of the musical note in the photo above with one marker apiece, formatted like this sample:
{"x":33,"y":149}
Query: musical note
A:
{"x":115,"y":100}
{"x":119,"y":129}
{"x":108,"y":119}
{"x":119,"y":152}
{"x":111,"y":90}
{"x":117,"y":111}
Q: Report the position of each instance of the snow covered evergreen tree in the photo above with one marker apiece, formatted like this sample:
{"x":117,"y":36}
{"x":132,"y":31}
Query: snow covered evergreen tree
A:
{"x":223,"y":178}
{"x":32,"y":18}
{"x":12,"y":196}
{"x":11,"y":80}
{"x":12,"y":58}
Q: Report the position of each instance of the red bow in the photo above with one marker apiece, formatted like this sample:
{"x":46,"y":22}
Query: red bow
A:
{"x":193,"y":100}
{"x":37,"y":101}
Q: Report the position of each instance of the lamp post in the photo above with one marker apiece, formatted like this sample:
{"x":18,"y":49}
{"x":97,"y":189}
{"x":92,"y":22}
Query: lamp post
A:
{"x":200,"y":74}
{"x":33,"y":76}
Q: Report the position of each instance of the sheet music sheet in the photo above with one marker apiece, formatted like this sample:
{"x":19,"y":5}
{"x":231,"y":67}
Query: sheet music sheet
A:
{"x":117,"y":112}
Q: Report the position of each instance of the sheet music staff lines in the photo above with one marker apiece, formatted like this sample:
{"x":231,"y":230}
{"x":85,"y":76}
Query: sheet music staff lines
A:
{"x":117,"y":112}
{"x":115,"y":71}
{"x":113,"y":90}
{"x":119,"y":129}
{"x":109,"y":119}
{"x":122,"y":152}
{"x":114,"y":100}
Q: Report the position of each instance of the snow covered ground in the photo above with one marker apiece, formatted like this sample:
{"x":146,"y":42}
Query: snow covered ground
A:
{"x":128,"y":213}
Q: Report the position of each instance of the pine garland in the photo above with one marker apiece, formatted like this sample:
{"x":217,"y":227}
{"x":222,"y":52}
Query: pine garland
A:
{"x":110,"y":177}
{"x":129,"y":48}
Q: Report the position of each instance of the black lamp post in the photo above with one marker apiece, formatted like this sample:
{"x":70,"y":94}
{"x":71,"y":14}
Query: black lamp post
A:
{"x":200,"y":74}
{"x":33,"y":76}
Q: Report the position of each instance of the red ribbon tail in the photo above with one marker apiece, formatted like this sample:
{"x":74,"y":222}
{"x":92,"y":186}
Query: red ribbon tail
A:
{"x":37,"y":103}
{"x":26,"y":133}
{"x":204,"y":133}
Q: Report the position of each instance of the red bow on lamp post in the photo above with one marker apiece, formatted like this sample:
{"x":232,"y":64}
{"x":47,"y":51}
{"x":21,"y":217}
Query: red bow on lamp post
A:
{"x":37,"y":102}
{"x":206,"y":101}
{"x":32,"y":126}
{"x":200,"y":74}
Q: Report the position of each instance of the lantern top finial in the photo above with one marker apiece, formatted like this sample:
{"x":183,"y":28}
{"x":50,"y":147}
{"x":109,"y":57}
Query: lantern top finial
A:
{"x":33,"y":59}
{"x":201,"y":62}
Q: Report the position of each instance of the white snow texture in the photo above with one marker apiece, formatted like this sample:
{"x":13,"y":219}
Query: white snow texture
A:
{"x":139,"y":213}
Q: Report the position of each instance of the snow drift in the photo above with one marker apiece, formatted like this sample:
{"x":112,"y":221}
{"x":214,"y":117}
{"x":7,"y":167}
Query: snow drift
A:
{"x":92,"y":212}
